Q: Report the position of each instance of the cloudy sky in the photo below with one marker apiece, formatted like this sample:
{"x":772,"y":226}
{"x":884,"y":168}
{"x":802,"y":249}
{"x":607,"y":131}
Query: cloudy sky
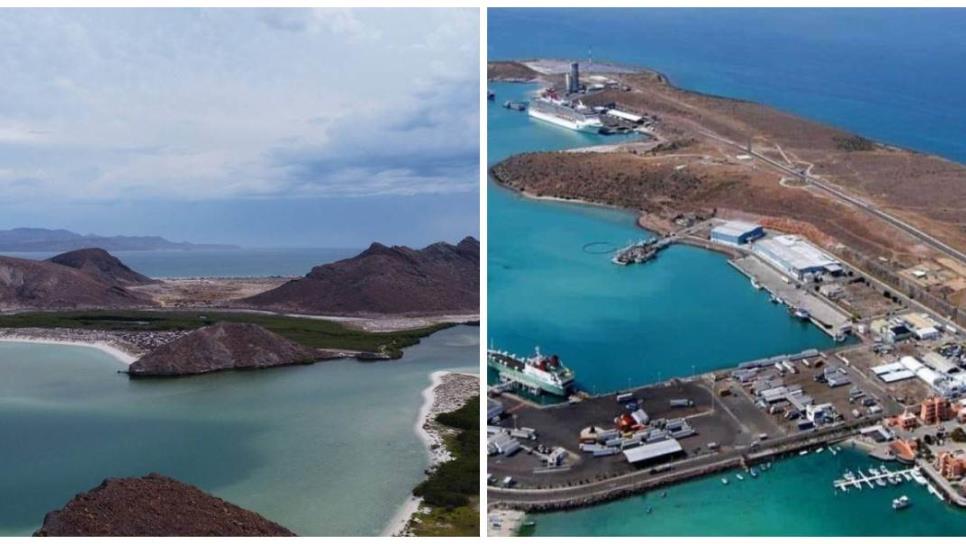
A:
{"x":303,"y":128}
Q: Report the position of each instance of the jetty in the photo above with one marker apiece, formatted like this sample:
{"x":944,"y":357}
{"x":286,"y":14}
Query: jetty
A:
{"x":640,"y":252}
{"x":880,"y":477}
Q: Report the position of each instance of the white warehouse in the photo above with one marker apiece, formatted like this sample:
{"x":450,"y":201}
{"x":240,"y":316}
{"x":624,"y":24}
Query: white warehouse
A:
{"x":796,"y":256}
{"x":736,"y":233}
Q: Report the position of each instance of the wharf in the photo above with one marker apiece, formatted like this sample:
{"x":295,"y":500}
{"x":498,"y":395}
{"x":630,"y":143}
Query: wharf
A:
{"x":640,"y":252}
{"x":824,"y":315}
{"x":633,"y":483}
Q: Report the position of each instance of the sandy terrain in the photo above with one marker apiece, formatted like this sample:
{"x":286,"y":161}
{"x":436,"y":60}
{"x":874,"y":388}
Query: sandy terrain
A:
{"x":205,"y":292}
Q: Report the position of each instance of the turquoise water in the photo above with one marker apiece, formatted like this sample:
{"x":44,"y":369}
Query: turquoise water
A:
{"x":843,"y":67}
{"x":686,"y":311}
{"x":794,"y":498}
{"x":248,"y":262}
{"x":327,"y":449}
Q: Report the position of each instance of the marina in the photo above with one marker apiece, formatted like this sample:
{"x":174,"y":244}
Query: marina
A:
{"x":800,"y":502}
{"x":880,"y":476}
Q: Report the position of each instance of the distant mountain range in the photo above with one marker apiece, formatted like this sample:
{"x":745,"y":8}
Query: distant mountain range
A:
{"x":36,"y":239}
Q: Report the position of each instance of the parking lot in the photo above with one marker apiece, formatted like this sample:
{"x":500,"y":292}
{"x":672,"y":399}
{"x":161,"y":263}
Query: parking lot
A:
{"x":727,"y":421}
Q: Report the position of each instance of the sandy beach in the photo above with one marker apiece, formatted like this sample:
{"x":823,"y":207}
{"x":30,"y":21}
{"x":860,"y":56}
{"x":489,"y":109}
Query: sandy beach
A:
{"x":122,"y":355}
{"x":447,"y":392}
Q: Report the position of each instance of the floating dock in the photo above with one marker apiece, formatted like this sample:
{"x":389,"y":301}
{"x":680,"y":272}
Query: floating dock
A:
{"x":878,"y":477}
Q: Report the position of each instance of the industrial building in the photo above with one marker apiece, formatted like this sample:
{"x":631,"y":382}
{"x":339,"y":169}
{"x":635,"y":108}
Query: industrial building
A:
{"x":736,"y":233}
{"x":654,"y":451}
{"x":890,"y":330}
{"x":939,"y":363}
{"x":796,"y":257}
{"x":921,"y":325}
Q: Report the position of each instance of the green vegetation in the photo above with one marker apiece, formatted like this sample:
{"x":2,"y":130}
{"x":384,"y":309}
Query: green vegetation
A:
{"x":452,"y":490}
{"x":314,"y":333}
{"x":854,"y":143}
{"x":958,"y":435}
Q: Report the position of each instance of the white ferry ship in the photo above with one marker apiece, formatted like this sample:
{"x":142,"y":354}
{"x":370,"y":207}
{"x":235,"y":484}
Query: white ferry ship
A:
{"x":539,"y":372}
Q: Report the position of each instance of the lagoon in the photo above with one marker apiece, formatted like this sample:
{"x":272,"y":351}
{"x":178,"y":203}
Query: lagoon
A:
{"x":326,"y":449}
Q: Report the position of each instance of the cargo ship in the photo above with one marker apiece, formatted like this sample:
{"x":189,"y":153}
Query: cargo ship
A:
{"x":539,"y":373}
{"x":571,"y":114}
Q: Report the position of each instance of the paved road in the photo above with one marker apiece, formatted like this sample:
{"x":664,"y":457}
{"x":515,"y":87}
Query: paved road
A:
{"x":917,"y":233}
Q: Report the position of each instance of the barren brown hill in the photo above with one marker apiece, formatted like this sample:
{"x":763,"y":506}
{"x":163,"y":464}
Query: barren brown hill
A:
{"x":438,"y":279}
{"x":655,"y":185}
{"x":703,"y":135}
{"x":154,"y":505}
{"x":222,"y":346}
{"x":27,"y":284}
{"x":509,"y":71}
{"x":101,"y":265}
{"x":926,"y":190}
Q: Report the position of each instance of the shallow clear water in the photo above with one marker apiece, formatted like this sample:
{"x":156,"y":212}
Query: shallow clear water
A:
{"x":248,"y":262}
{"x":687,"y":311}
{"x":794,"y":498}
{"x":326,"y":449}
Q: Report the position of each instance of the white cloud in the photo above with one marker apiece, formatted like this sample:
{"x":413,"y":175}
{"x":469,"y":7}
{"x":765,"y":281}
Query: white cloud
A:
{"x":206,"y":104}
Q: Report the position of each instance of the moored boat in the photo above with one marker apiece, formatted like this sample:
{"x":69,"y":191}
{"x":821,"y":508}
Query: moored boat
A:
{"x":540,"y":372}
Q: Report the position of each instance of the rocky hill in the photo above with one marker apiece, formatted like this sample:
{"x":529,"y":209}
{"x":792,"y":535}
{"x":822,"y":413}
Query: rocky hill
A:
{"x":154,"y":505}
{"x":101,"y":265}
{"x":222,"y":346}
{"x":45,"y":285}
{"x":438,"y":279}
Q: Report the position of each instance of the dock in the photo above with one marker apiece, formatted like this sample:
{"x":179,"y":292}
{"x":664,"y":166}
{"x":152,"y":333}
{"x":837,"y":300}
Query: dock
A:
{"x":828,"y":318}
{"x":640,"y":252}
{"x":878,"y":477}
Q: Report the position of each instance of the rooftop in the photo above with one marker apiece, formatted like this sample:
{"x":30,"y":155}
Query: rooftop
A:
{"x":735,"y":228}
{"x":796,"y":252}
{"x":653,"y":451}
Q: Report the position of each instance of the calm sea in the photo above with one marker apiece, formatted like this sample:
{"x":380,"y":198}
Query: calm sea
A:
{"x":551,"y":286}
{"x":326,"y":449}
{"x":893,"y":75}
{"x":794,"y":498}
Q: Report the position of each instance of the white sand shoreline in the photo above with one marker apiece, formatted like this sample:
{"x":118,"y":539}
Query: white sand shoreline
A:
{"x":120,"y":355}
{"x":399,"y":522}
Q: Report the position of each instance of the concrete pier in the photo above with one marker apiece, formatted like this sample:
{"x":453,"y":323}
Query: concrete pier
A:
{"x":823,"y":314}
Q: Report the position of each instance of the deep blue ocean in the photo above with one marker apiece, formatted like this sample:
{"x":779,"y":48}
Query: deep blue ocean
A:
{"x":895,"y":75}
